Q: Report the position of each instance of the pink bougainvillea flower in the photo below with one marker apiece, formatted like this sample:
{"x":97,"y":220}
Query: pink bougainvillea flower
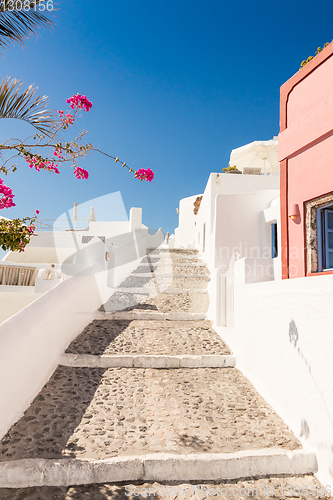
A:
{"x":143,"y":174}
{"x":40,"y":163}
{"x":68,"y":120}
{"x":81,"y":173}
{"x":6,"y":200}
{"x":37,"y":212}
{"x":61,"y":113}
{"x":79,"y":101}
{"x":58,"y":153}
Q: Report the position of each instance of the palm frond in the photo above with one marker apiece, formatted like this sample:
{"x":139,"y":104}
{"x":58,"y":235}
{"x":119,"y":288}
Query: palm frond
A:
{"x":19,"y":20}
{"x":24,"y":105}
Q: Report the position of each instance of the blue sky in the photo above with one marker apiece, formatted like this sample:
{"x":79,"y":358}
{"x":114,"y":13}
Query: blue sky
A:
{"x":175,"y":86}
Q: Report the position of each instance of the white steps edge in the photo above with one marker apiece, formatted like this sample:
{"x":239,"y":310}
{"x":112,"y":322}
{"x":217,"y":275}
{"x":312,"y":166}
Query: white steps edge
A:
{"x":148,"y":315}
{"x":152,"y":291}
{"x":153,"y":274}
{"x":156,"y":467}
{"x":179,"y":259}
{"x":168,"y":253}
{"x":148,"y":361}
{"x":173,"y":250}
{"x":171,"y":263}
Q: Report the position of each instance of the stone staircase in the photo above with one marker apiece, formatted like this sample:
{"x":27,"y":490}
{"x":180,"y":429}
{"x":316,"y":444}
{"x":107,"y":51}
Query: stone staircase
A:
{"x":148,"y":394}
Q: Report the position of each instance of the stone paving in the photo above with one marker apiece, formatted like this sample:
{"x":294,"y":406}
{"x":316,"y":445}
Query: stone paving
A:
{"x":148,"y":337}
{"x":175,"y":267}
{"x":162,"y":302}
{"x":100,"y":413}
{"x":282,"y":488}
{"x":161,"y":284}
{"x":171,"y":264}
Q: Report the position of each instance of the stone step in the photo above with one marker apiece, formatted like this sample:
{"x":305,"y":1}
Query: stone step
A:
{"x":149,"y":315}
{"x":165,"y":261}
{"x":164,"y":282}
{"x":278,"y":487}
{"x":172,"y":257}
{"x":154,"y":291}
{"x":101,"y":414}
{"x":170,"y":275}
{"x":159,"y":303}
{"x":156,"y":467}
{"x":173,"y":263}
{"x":171,"y":251}
{"x":147,"y":361}
{"x":149,"y":337}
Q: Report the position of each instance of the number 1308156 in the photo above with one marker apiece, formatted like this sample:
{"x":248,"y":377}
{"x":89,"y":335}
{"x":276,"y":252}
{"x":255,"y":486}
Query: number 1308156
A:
{"x":26,"y":5}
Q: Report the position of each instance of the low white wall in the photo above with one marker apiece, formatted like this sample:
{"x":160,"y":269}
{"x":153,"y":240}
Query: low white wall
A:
{"x":127,"y":251}
{"x":185,"y":233}
{"x":17,"y":289}
{"x":32,"y":341}
{"x":284,"y":344}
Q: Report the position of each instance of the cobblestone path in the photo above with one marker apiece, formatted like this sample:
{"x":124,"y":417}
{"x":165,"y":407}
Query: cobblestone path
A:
{"x":98,"y":413}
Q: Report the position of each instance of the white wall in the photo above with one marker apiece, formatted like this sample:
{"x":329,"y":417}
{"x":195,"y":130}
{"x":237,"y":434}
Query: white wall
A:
{"x":103,"y":228}
{"x":284,"y":344}
{"x":240,"y":225}
{"x":54,"y":247}
{"x":282,"y":329}
{"x":218,"y":184}
{"x":32,"y":341}
{"x":135,"y":220}
{"x":239,"y":229}
{"x":126,"y":251}
{"x":185,"y":232}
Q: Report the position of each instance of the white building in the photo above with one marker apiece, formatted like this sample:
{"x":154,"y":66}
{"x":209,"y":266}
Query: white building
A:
{"x":280,"y":330}
{"x":235,"y":218}
{"x":64,"y":247}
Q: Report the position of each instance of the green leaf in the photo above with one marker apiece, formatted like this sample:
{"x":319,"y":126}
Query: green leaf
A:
{"x":21,"y":104}
{"x":17,"y":23}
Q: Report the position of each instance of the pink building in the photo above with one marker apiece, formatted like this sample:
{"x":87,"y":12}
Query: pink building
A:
{"x":306,"y":156}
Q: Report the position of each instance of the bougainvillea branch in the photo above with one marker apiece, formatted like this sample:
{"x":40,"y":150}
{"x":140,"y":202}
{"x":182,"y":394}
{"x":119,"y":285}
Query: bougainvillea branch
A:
{"x":62,"y":151}
{"x":30,"y":149}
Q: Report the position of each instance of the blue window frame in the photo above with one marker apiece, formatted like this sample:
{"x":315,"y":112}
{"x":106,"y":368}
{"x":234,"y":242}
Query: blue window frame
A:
{"x":325,"y":238}
{"x":329,"y":239}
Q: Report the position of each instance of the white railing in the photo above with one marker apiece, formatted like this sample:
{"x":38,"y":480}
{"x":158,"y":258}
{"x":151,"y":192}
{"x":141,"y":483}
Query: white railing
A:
{"x":61,"y":225}
{"x":17,"y":276}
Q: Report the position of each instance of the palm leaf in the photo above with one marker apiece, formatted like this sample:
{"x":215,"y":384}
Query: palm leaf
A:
{"x":16,"y":24}
{"x":24,"y":105}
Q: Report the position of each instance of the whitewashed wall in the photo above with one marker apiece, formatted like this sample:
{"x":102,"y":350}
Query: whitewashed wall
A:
{"x":185,"y":234}
{"x":190,"y":229}
{"x":32,"y":341}
{"x":283,"y":341}
{"x":240,"y":225}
